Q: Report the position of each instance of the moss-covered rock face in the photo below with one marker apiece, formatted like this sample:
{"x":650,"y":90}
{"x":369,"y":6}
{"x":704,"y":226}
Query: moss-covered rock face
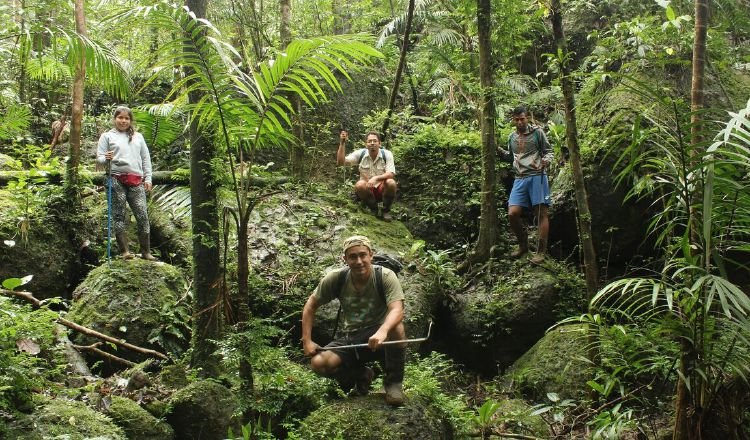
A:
{"x":70,"y":420}
{"x":494,"y":324}
{"x":139,"y":301}
{"x":369,"y":418}
{"x":136,"y":422}
{"x":202,"y":410}
{"x":514,"y":415}
{"x":553,"y":365}
{"x":41,"y":249}
{"x":295,"y":238}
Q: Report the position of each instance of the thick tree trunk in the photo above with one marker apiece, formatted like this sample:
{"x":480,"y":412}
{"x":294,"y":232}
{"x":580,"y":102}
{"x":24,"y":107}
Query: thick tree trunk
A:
{"x":488,"y":221}
{"x":74,"y":157}
{"x":399,"y":70}
{"x":205,"y":228}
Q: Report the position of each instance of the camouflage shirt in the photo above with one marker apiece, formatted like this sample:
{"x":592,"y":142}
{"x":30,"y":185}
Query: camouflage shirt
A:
{"x":364,"y":308}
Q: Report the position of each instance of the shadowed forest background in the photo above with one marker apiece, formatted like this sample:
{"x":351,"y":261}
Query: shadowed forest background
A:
{"x":635,"y":326}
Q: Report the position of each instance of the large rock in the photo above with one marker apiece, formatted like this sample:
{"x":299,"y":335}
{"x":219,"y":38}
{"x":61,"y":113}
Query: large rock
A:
{"x":136,"y":422}
{"x":203,"y":411}
{"x":492,"y":325}
{"x":40,"y":248}
{"x":369,"y":418}
{"x":555,"y":364}
{"x":139,"y":301}
{"x":65,"y":419}
{"x":295,"y":238}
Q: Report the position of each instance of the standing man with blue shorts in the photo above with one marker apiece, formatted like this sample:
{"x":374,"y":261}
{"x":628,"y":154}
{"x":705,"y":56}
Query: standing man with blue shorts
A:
{"x":531,"y":154}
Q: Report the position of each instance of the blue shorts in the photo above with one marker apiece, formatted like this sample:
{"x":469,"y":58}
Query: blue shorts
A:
{"x":530,"y":191}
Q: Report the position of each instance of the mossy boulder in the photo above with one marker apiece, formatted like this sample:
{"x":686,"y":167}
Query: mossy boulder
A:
{"x":296,"y":237}
{"x":203,"y":410}
{"x":515,"y":416}
{"x":66,"y":419}
{"x":40,"y":248}
{"x":495,"y":322}
{"x":136,"y":422}
{"x":369,"y":418}
{"x":555,"y":364}
{"x":141,"y":302}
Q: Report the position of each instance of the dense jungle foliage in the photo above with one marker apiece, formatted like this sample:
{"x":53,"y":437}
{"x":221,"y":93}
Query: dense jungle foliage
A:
{"x":646,"y":104}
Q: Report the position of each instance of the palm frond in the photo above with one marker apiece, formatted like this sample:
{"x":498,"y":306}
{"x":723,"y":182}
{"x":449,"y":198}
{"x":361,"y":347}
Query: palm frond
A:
{"x":14,"y":121}
{"x":46,"y":68}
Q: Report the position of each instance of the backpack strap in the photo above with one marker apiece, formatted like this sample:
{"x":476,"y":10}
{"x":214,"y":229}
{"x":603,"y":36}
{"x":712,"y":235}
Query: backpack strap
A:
{"x":364,"y":151}
{"x":379,"y":283}
{"x":340,"y":281}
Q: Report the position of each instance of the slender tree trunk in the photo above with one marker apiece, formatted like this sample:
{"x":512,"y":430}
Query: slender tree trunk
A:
{"x":488,"y":221}
{"x":74,"y":157}
{"x":205,"y":228}
{"x":571,"y":133}
{"x":298,"y":151}
{"x":399,"y":70}
{"x":341,"y":20}
{"x":685,"y":426}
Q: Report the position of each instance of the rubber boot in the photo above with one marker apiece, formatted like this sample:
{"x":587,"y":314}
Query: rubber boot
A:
{"x":541,"y":252}
{"x":122,"y":244}
{"x":395,"y":361}
{"x":523,"y":247}
{"x":145,"y":242}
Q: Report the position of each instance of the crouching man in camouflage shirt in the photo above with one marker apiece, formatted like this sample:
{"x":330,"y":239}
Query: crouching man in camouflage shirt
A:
{"x":368,"y":316}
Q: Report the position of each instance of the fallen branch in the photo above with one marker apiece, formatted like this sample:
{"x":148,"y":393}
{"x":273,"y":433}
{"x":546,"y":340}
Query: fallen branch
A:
{"x":157,"y":178}
{"x":85,"y":330}
{"x":497,"y":433}
{"x":93,"y":348}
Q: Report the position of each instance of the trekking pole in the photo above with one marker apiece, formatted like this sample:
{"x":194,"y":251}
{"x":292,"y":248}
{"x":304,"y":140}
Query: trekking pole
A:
{"x":400,"y":341}
{"x":109,"y":213}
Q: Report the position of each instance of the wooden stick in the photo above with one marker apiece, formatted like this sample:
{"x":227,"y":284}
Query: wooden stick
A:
{"x":93,"y":348}
{"x":28,"y":296}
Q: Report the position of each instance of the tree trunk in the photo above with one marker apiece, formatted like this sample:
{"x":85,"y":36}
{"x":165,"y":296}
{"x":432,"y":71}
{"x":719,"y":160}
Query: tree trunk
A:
{"x":591,"y":269}
{"x":205,"y":228}
{"x":488,"y":221}
{"x":298,"y":151}
{"x":341,"y":20}
{"x":399,"y":70}
{"x":685,"y":426}
{"x":76,"y":118}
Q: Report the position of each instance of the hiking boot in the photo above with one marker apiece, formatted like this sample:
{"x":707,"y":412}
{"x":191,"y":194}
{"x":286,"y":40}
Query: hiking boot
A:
{"x":394,"y":394}
{"x":519,"y":252}
{"x":538,"y":258}
{"x":362,"y":385}
{"x":386,"y":216}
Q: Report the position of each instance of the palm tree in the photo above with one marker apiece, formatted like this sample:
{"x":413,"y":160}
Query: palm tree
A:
{"x":702,"y":200}
{"x":243,"y":112}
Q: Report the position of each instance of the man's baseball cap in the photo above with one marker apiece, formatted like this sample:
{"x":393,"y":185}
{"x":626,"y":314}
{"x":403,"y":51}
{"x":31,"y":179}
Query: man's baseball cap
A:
{"x":357,"y":240}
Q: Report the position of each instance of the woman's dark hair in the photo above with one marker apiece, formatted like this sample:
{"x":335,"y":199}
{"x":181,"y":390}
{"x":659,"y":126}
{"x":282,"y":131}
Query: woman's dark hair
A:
{"x":123,"y":109}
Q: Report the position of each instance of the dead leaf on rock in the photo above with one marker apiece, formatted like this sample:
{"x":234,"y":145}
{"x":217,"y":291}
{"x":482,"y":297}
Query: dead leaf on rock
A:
{"x":28,"y":346}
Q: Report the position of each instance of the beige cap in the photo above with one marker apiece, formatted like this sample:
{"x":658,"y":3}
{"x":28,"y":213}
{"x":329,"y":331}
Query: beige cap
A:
{"x":357,"y":240}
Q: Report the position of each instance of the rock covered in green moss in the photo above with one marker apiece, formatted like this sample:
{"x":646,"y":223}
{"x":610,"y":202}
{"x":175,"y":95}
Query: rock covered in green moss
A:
{"x":494,"y":324}
{"x":203,"y":410}
{"x":66,"y":419}
{"x":515,"y":416}
{"x":135,"y":300}
{"x":42,"y":250}
{"x":136,"y":422}
{"x":555,"y":364}
{"x":369,"y":418}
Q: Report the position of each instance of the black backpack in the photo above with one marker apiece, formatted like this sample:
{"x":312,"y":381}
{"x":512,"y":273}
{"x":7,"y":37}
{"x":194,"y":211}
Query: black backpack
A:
{"x":378,"y":263}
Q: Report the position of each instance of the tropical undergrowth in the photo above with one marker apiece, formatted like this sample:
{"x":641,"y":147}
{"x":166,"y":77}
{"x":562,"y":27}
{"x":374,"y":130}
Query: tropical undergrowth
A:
{"x":439,"y":177}
{"x":683,"y":329}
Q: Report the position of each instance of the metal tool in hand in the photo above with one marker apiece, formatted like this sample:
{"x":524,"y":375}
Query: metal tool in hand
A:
{"x":400,"y":341}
